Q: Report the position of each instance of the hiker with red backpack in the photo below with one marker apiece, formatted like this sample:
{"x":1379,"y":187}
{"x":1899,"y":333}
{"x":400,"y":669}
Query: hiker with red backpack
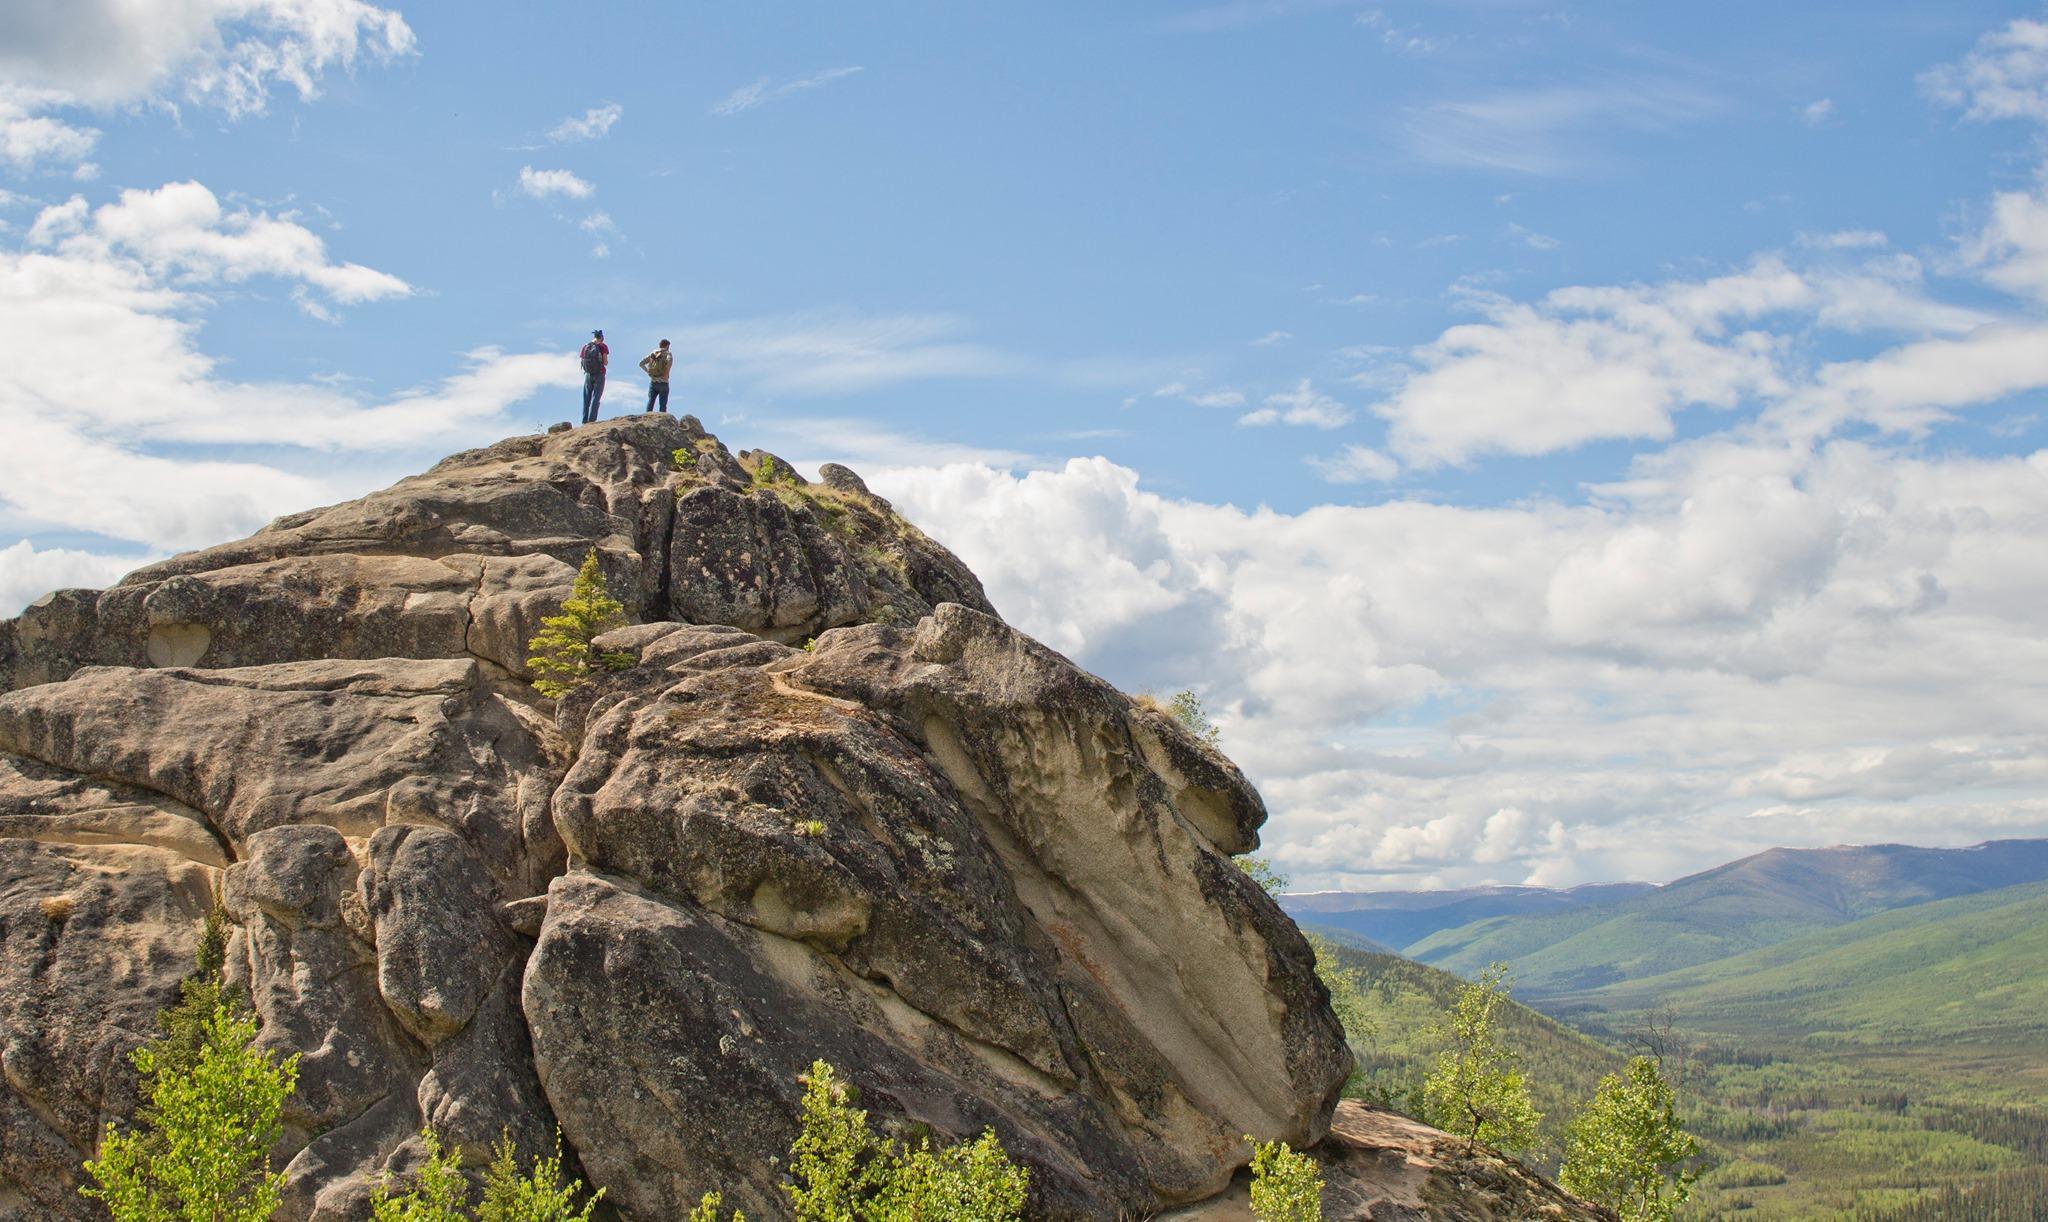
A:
{"x":657,"y":364}
{"x":595,"y":356}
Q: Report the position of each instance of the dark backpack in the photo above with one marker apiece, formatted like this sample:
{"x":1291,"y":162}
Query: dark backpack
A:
{"x":593,"y":358}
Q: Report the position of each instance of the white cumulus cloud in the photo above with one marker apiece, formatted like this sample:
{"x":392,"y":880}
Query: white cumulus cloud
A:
{"x":553,"y":184}
{"x":2004,"y":77}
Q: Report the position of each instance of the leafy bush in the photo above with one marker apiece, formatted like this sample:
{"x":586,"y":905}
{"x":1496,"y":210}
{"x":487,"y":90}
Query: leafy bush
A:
{"x":1347,"y":990}
{"x":203,"y":1154}
{"x":1262,"y":872}
{"x":1626,"y":1150}
{"x":1287,"y":1186}
{"x":1476,"y":1090}
{"x":440,"y":1192}
{"x":841,"y":1172}
{"x":1186,"y":708}
{"x":210,"y":1113}
{"x":563,"y":657}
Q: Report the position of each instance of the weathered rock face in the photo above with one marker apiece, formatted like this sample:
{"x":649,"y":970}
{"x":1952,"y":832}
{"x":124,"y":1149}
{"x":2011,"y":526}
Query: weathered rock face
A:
{"x":980,"y":881}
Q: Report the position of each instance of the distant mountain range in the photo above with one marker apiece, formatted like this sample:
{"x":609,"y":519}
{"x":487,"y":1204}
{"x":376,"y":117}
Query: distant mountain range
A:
{"x":1570,"y":941}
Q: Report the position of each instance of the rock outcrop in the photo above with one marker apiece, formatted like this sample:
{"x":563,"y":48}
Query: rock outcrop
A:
{"x":836,"y":808}
{"x":1378,"y":1166}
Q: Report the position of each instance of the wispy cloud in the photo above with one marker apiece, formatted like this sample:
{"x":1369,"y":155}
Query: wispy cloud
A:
{"x":1818,"y":113}
{"x":595,"y":124}
{"x":762,"y":92}
{"x":1272,"y":339}
{"x":1551,"y":131}
{"x":825,"y":354}
{"x":1356,"y":464}
{"x":1304,"y":405}
{"x":1401,"y":39}
{"x":1236,"y":14}
{"x":1844,"y":239}
{"x":549,"y":184}
{"x":1530,"y":238}
{"x":1221,"y":396}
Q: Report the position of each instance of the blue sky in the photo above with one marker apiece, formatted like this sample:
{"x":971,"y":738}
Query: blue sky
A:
{"x":1560,"y":441}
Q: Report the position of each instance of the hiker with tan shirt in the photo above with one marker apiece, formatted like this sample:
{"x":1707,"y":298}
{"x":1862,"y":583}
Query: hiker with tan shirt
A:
{"x":657,"y":364}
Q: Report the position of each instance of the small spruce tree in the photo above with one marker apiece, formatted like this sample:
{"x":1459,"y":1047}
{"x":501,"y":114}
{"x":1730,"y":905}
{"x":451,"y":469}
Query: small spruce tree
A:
{"x":1476,"y":1090}
{"x":1627,"y":1151}
{"x":563,"y":657}
{"x":1287,"y":1186}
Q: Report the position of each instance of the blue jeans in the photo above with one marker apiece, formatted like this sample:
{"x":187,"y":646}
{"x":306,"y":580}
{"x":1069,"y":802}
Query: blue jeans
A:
{"x":593,"y":390}
{"x":658,"y":390}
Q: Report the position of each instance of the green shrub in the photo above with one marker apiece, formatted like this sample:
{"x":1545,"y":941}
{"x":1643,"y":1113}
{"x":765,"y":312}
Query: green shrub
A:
{"x":1262,"y":873}
{"x":1347,"y":990}
{"x":1186,"y":708}
{"x":563,"y":657}
{"x":1287,"y":1186}
{"x":1476,"y":1090}
{"x":440,"y":1192}
{"x":841,"y":1172}
{"x":204,"y":1152}
{"x":708,"y":1207}
{"x":1626,"y":1150}
{"x":209,"y":1115}
{"x":541,"y":1195}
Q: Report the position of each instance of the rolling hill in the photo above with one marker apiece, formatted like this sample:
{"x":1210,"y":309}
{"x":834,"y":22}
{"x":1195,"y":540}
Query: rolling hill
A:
{"x":1756,"y":902}
{"x":1399,"y":918}
{"x":1403,"y":997}
{"x":1959,"y":969}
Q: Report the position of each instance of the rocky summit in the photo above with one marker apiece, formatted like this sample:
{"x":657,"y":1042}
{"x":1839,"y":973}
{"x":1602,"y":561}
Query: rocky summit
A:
{"x":834,"y":807}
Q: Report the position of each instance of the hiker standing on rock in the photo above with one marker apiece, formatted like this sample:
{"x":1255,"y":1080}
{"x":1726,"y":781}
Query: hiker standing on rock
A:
{"x":657,"y":364}
{"x":596,"y":355}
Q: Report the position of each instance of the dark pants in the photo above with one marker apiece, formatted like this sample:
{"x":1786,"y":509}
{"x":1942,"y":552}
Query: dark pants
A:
{"x":593,"y":390}
{"x":657,"y":390}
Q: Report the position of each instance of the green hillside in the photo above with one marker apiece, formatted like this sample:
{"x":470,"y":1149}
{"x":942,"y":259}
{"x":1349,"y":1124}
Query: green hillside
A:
{"x":1889,"y":1068}
{"x":1404,"y":997}
{"x":1961,"y":969}
{"x":1757,"y":902}
{"x":1346,"y":938}
{"x":1403,"y":918}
